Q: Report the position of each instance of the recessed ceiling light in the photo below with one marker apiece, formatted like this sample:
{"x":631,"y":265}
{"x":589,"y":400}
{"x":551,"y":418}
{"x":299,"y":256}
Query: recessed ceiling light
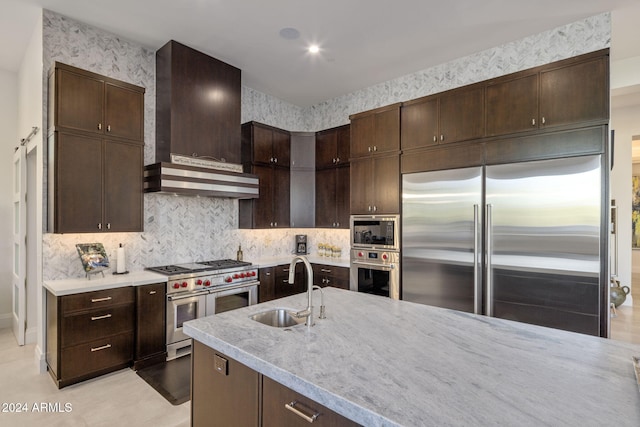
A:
{"x":314,"y":48}
{"x":289,"y":33}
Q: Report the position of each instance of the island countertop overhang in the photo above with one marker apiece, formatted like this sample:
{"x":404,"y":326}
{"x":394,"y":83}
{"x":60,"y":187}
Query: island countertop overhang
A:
{"x":383,"y":362}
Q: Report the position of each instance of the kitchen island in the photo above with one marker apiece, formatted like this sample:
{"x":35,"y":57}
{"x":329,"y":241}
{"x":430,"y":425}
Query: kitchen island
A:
{"x":381,"y":362}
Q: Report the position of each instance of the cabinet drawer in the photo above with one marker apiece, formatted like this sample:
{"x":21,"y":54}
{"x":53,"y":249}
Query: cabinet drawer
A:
{"x":274,"y":412}
{"x":97,"y":355}
{"x":96,"y":299}
{"x":96,"y":324}
{"x":331,"y":271}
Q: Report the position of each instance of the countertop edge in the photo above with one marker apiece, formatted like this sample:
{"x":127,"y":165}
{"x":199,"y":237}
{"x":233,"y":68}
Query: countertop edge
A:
{"x":274,"y":261}
{"x":109,"y":281}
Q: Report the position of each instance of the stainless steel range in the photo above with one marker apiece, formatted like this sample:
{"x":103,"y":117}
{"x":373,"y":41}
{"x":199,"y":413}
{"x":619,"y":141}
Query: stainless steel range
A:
{"x":201,"y":289}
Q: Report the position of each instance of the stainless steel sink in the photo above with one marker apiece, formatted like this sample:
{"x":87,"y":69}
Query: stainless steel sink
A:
{"x":278,"y":318}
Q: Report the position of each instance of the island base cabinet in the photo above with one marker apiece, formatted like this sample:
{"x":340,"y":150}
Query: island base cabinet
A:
{"x":223,"y":392}
{"x":282,"y":406}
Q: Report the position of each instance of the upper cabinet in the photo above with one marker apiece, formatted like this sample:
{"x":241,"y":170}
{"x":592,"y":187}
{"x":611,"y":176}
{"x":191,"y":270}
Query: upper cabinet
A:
{"x":266,"y":153}
{"x":332,"y":177}
{"x":95,"y":153}
{"x":563,"y":94}
{"x":453,"y":116}
{"x":197,"y":105}
{"x":84,"y":101}
{"x":376,"y":131}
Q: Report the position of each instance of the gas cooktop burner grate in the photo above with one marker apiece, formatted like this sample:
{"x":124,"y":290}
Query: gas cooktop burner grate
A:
{"x":170,"y":269}
{"x":224,"y":263}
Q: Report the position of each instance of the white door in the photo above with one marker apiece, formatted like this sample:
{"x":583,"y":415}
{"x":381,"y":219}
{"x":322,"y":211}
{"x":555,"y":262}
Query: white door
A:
{"x":19,"y":243}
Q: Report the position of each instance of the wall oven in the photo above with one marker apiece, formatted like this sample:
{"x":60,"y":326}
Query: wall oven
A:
{"x":375,"y":272}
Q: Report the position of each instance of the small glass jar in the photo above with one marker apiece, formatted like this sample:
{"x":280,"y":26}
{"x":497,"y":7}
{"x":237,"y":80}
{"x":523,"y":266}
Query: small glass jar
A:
{"x":337,"y":252}
{"x":321,"y":249}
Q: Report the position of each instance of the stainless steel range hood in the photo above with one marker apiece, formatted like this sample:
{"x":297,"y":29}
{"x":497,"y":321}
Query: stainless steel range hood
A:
{"x":197,"y":181}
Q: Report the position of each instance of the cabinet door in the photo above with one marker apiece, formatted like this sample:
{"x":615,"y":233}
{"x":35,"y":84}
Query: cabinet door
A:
{"x":281,"y":148}
{"x":224,"y":392}
{"x":361,"y":186}
{"x":362,"y":135}
{"x":386,"y":184}
{"x":77,"y":182}
{"x":420,"y":124}
{"x":575,"y":93}
{"x":124,"y":111}
{"x":387,"y":131}
{"x":150,"y":320}
{"x":79,"y":103}
{"x":275,"y":413}
{"x":263,"y":205}
{"x":512,"y":106}
{"x":266,"y":290}
{"x":343,"y":144}
{"x":281,"y":197}
{"x":326,"y":149}
{"x":262,"y":145}
{"x":326,"y":197}
{"x":462,"y":115}
{"x":343,"y":197}
{"x":123,"y":191}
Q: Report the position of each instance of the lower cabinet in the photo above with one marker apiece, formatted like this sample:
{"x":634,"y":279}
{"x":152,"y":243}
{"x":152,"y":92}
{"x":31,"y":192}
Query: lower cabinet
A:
{"x":89,"y":334}
{"x":150,"y":339}
{"x":330,"y":275}
{"x":225,"y":392}
{"x":274,"y":282}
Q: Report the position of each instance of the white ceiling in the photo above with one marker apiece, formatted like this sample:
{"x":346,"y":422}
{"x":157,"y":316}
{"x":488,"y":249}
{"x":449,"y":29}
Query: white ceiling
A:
{"x":363,"y":42}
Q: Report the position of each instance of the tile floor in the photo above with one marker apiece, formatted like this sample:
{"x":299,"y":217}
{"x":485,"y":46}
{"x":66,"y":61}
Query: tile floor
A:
{"x":117,"y":399}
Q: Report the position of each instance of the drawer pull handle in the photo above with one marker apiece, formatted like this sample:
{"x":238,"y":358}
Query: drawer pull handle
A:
{"x":292,"y":407}
{"x":106,"y":316}
{"x":325,"y":270}
{"x":152,"y":292}
{"x":104,"y":347}
{"x":100,"y":299}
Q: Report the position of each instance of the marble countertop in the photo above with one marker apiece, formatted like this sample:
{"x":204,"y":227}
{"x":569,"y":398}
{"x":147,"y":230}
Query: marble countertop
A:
{"x":314,"y":259}
{"x":382,"y":362}
{"x":109,"y":281}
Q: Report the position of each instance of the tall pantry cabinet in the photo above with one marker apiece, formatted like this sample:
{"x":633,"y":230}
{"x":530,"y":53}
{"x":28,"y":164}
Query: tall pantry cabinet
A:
{"x":96,"y":143}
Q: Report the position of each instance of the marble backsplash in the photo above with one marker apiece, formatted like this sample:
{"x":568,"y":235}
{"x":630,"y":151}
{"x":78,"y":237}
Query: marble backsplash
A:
{"x":185,"y":229}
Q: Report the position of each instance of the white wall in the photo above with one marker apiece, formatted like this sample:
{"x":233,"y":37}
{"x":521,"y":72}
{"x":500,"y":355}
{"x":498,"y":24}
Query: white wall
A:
{"x":8,"y":141}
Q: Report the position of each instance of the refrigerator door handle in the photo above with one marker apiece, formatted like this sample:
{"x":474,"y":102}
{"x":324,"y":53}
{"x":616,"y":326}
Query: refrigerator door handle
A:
{"x":489,"y":302}
{"x":477,"y":300}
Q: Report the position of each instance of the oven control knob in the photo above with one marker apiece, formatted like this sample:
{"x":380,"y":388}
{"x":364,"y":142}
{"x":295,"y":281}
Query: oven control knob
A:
{"x":253,"y":273}
{"x":184,"y":284}
{"x":228,"y":279}
{"x":235,"y":276}
{"x":176,"y":285}
{"x":385,"y":257}
{"x":199,"y":282}
{"x":207,"y":282}
{"x":360,"y":254}
{"x":243,"y":275}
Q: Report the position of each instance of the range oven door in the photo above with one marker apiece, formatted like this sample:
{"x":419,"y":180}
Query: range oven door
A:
{"x":180,"y":309}
{"x":244,"y":295}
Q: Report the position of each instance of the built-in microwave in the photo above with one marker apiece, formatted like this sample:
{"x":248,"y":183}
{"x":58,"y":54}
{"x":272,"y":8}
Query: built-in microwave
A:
{"x":375,"y":232}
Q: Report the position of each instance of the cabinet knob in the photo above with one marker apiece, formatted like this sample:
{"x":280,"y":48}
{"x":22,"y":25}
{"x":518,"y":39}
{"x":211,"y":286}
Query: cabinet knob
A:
{"x":270,"y":159}
{"x":533,"y":122}
{"x":369,"y":147}
{"x":99,"y":126}
{"x":441,"y":137}
{"x":435,"y":138}
{"x":99,"y":226}
{"x":375,"y":148}
{"x":338,"y":160}
{"x":369,"y":208}
{"x":108,"y":128}
{"x":275,"y":160}
{"x":108,"y":226}
{"x":375,"y":208}
{"x":543,"y":120}
{"x":333,"y":161}
{"x":337,"y":224}
{"x":275,"y":224}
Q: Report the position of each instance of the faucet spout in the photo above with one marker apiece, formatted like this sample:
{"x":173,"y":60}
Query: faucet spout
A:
{"x":308,"y":312}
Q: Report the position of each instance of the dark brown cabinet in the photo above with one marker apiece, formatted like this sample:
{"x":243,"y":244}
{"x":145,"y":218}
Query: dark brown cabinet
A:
{"x":274,"y":282}
{"x":375,"y":132}
{"x":89,"y":334}
{"x":224,"y":392}
{"x":197,"y":105}
{"x":570,"y":92}
{"x":375,"y":185}
{"x":83,"y":101}
{"x":332,"y":177}
{"x":330,"y":275}
{"x":150,"y":337}
{"x":453,"y":116}
{"x":95,"y":184}
{"x":265,"y":152}
{"x":96,"y":132}
{"x":267,"y":288}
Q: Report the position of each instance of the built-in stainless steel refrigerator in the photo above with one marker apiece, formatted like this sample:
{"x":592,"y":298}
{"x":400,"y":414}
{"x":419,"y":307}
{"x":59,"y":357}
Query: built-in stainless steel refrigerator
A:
{"x":519,"y":241}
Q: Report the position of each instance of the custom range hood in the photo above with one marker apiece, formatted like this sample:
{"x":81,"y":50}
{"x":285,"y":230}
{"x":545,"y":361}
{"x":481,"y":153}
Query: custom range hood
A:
{"x":197,"y":121}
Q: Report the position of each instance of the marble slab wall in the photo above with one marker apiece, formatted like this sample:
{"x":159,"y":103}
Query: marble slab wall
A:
{"x":185,"y":229}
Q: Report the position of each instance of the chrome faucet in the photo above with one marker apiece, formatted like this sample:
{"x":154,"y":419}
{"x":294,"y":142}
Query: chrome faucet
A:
{"x":308,"y":312}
